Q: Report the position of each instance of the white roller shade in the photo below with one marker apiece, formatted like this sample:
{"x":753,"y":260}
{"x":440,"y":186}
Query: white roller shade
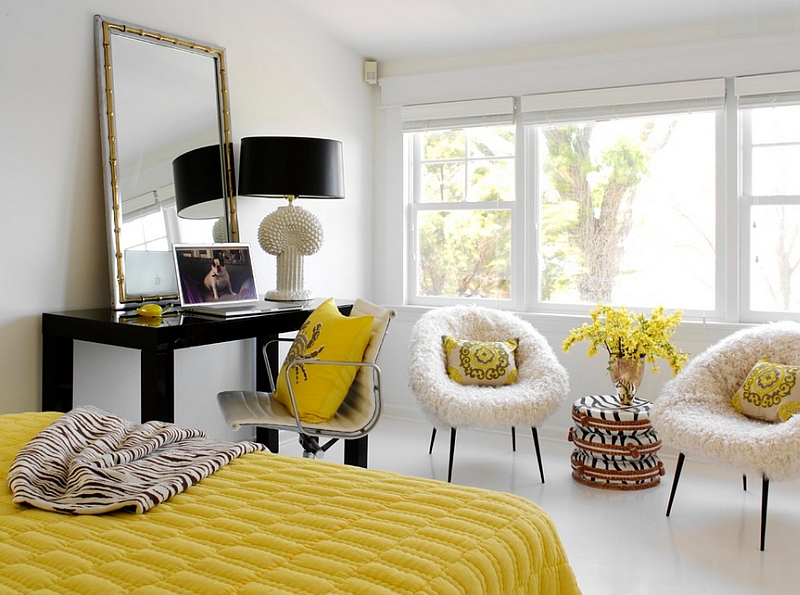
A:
{"x":623,"y":101}
{"x":767,"y":89}
{"x":457,"y":114}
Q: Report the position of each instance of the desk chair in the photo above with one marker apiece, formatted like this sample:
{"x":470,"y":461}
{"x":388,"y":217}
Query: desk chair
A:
{"x":354,"y":419}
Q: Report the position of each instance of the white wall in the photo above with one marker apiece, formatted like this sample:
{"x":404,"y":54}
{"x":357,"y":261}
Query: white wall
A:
{"x":284,"y":78}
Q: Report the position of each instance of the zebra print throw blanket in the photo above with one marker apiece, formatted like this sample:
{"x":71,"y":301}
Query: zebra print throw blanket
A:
{"x":91,"y":462}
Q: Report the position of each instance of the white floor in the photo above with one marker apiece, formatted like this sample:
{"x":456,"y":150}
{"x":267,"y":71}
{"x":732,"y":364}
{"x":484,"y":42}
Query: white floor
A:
{"x":622,"y":542}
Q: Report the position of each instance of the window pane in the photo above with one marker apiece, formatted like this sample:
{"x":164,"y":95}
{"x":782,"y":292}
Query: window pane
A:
{"x":779,"y":124}
{"x":491,"y":180}
{"x":496,"y":141}
{"x":774,"y":258}
{"x":451,"y":173}
{"x":464,"y":253}
{"x":774,"y":152}
{"x":443,"y":182}
{"x":627,"y":211}
{"x":775,"y":170}
{"x":443,"y":144}
{"x":148,"y":232}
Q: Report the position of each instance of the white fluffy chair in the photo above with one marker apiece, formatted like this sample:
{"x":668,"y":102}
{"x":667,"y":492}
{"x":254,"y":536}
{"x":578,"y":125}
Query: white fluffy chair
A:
{"x":695,"y":415}
{"x":541,"y":387}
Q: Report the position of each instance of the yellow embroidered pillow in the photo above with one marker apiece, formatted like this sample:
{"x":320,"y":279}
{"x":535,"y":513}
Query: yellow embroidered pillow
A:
{"x":319,"y":389}
{"x":769,"y":392}
{"x":485,"y":363}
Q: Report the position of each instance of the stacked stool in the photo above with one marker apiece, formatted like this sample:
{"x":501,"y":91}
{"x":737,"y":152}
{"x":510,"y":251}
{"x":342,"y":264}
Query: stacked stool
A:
{"x":615,"y":445}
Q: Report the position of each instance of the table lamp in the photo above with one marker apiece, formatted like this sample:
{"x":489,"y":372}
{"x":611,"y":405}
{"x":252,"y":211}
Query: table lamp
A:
{"x":199,"y":187}
{"x":290,"y":167}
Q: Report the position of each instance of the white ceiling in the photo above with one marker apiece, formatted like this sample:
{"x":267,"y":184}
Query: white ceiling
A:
{"x":396,"y":30}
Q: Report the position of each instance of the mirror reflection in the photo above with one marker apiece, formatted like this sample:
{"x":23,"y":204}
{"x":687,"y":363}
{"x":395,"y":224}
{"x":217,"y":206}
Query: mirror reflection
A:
{"x":164,"y":102}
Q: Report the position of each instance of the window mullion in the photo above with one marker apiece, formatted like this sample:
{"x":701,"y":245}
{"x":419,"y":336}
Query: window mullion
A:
{"x":729,"y":214}
{"x":531,"y":181}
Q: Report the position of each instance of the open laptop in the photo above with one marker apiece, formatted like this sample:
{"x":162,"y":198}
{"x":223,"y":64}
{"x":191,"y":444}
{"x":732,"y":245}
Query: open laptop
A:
{"x":149,"y":272}
{"x":218,"y":280}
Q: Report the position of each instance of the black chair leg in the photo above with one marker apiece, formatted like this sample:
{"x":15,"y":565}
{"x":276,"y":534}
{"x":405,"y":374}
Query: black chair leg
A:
{"x":309,"y":444}
{"x":538,"y":452}
{"x":452,"y":450}
{"x":678,"y":469}
{"x":744,"y":481}
{"x":764,"y":498}
{"x":433,"y":437}
{"x":513,"y":439}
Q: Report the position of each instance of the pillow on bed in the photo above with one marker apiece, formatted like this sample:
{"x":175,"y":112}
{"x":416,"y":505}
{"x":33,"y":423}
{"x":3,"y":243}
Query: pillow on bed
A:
{"x":327,"y":335}
{"x":770,"y":392}
{"x":482,"y":363}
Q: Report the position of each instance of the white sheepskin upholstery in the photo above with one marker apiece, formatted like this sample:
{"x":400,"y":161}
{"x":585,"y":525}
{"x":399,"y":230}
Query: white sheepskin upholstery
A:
{"x":539,"y":391}
{"x":694,"y":413}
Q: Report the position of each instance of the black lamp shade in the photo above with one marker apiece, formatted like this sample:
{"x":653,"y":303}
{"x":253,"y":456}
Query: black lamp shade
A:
{"x":199,"y":183}
{"x":279,"y":166}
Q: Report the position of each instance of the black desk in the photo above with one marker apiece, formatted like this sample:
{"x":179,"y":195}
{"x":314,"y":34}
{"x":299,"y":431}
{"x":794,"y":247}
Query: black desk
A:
{"x":157,"y":340}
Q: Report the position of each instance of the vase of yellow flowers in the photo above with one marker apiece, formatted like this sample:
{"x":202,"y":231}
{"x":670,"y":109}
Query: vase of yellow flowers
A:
{"x":630,"y":338}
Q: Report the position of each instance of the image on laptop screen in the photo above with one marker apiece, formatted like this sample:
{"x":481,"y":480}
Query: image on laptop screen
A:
{"x":218,"y":273}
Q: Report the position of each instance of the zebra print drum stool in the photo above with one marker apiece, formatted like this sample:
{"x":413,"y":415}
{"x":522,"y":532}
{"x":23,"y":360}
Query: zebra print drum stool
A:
{"x":615,"y":445}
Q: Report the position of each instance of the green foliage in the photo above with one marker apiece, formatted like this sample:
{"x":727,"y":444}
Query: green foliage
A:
{"x":444,"y":144}
{"x":555,"y":250}
{"x":466,"y":253}
{"x":589,"y":217}
{"x":584,"y":220}
{"x":444,"y":182}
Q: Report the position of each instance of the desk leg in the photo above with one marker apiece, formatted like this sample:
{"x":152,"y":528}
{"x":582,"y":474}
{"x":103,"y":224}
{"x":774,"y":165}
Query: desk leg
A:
{"x":158,"y":385}
{"x":268,"y":438}
{"x":355,"y":452}
{"x":265,"y":435}
{"x":57,"y":365}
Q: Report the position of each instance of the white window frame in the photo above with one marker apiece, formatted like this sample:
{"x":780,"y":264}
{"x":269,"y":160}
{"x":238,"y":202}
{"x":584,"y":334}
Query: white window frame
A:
{"x":757,"y":91}
{"x":451,"y":116}
{"x":603,"y":104}
{"x":732,"y":236}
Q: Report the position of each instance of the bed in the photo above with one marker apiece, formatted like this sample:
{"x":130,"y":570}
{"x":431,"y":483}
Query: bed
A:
{"x":267,"y":523}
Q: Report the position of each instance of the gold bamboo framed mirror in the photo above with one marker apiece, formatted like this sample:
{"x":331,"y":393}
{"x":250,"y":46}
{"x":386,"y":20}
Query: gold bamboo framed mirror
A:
{"x":161,"y":98}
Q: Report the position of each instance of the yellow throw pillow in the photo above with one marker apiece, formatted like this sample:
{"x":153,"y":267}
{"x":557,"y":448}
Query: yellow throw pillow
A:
{"x":484,"y":363}
{"x":319,"y":389}
{"x":769,"y":392}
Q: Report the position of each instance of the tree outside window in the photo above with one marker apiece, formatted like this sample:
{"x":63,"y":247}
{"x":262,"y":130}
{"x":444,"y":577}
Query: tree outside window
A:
{"x":627,"y":196}
{"x":463,"y":212}
{"x":627,"y":211}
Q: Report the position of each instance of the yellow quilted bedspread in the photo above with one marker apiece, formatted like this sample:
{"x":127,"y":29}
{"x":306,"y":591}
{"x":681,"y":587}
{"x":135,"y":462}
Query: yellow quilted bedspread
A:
{"x":272,"y":524}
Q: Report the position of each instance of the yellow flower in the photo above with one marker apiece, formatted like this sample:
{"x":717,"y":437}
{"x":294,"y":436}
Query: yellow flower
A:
{"x":631,"y":335}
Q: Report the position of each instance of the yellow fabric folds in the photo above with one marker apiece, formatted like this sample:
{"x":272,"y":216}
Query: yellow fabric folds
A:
{"x":272,"y":524}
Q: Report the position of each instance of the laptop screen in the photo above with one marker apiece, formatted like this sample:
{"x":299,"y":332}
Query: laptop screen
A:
{"x":214,"y":273}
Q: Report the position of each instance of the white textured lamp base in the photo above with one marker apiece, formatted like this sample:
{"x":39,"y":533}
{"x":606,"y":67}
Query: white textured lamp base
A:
{"x":290,"y":233}
{"x":276,"y":295}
